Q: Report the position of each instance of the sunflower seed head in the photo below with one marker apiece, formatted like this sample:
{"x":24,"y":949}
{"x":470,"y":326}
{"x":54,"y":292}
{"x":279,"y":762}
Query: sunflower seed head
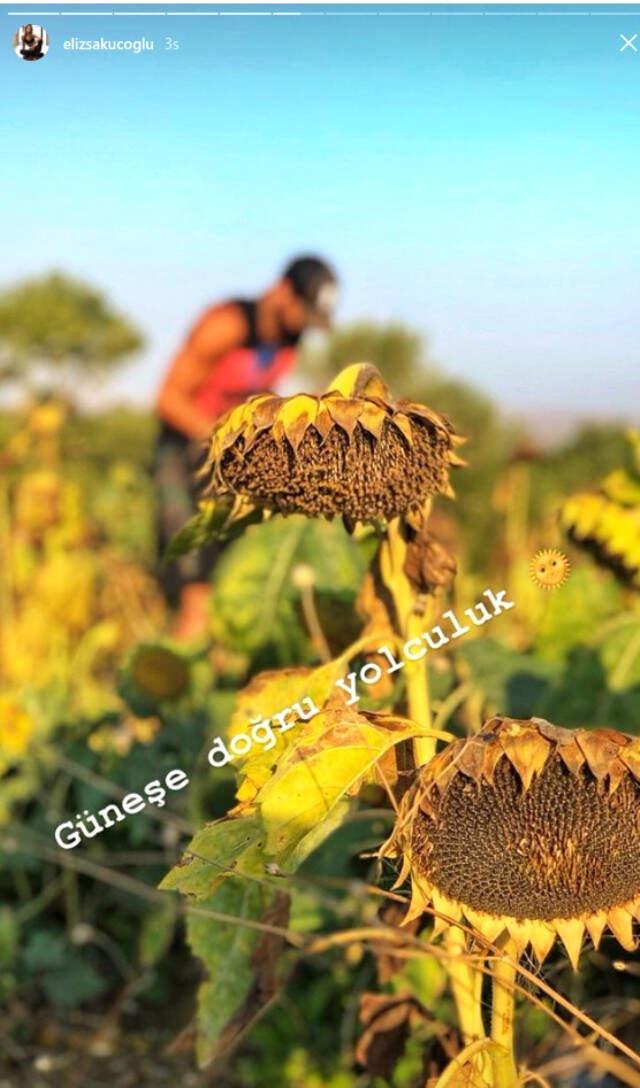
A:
{"x":531,"y":826}
{"x":359,"y":455}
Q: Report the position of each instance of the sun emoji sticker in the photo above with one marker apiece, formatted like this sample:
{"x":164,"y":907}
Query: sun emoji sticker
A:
{"x":550,"y":568}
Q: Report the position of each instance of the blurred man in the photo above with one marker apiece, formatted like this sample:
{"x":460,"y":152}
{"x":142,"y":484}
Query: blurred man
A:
{"x":236,"y":348}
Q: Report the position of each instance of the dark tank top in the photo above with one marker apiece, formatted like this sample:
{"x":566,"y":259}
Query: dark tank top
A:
{"x":253,"y":367}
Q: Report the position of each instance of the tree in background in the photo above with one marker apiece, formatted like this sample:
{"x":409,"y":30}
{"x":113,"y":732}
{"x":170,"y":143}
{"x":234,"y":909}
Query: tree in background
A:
{"x":63,"y":327}
{"x":400,"y":356}
{"x":395,"y":350}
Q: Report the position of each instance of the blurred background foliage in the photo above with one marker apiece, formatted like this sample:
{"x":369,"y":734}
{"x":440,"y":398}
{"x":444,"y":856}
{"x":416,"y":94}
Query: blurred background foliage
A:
{"x":90,"y":952}
{"x":62,"y":325}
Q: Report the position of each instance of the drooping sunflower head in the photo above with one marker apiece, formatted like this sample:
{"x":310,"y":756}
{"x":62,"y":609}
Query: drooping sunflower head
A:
{"x":352,"y":452}
{"x":153,"y":675}
{"x":608,"y":530}
{"x":606,"y":521}
{"x":528,"y":828}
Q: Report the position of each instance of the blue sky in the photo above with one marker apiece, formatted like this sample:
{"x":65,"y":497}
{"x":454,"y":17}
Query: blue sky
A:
{"x":475,"y":176}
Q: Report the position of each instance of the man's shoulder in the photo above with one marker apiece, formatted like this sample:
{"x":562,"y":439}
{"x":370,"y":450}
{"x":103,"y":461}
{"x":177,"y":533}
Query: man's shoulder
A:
{"x":226,"y":320}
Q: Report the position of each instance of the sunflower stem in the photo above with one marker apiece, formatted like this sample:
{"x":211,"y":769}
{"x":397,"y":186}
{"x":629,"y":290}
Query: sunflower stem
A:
{"x":471,"y":1054}
{"x":314,"y":627}
{"x":505,"y":1073}
{"x":466,"y":987}
{"x":419,"y":700}
{"x":409,"y":623}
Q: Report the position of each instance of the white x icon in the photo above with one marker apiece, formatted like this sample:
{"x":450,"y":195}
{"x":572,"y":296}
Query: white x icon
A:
{"x":628,"y":43}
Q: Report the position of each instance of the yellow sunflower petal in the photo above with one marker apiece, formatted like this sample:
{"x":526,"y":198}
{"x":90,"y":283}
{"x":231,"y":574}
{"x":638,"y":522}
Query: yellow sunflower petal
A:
{"x":527,"y":751}
{"x":405,"y":869}
{"x":344,"y":413}
{"x":620,"y":923}
{"x":265,"y":409}
{"x":444,"y":912}
{"x":572,"y":757}
{"x":630,"y":756}
{"x":493,"y":753}
{"x":323,"y":422}
{"x":598,"y":750}
{"x":372,"y":418}
{"x":403,"y":424}
{"x":296,"y":415}
{"x":595,"y":924}
{"x":360,"y":379}
{"x":418,"y":905}
{"x":520,"y":933}
{"x":542,"y":939}
{"x":488,"y":925}
{"x":571,"y":933}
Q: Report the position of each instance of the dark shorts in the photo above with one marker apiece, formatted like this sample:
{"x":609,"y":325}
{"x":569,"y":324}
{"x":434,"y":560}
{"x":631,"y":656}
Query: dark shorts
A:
{"x":175,"y":465}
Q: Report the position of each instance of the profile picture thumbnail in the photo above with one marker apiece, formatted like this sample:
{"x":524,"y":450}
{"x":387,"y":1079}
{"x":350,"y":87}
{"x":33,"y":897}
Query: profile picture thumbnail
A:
{"x":31,"y":42}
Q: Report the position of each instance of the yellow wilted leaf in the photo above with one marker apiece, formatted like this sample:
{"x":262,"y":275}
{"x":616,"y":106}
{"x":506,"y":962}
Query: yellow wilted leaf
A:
{"x":324,"y":765}
{"x":269,"y":697}
{"x":271,"y":691}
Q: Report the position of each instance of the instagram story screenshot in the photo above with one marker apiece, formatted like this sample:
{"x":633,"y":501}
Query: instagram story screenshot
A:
{"x":320,"y":545}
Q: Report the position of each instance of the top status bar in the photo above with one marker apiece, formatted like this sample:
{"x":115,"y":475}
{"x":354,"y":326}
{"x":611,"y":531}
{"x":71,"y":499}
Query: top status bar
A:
{"x":387,"y":4}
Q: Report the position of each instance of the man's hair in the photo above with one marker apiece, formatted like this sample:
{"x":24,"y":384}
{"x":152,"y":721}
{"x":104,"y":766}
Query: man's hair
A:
{"x":307,"y":275}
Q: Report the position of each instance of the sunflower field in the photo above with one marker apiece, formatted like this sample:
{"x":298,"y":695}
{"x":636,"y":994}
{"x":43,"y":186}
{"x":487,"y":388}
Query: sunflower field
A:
{"x":387,"y":827}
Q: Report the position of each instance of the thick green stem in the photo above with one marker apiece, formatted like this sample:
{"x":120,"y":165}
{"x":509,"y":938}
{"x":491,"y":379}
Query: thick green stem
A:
{"x":505,"y":1073}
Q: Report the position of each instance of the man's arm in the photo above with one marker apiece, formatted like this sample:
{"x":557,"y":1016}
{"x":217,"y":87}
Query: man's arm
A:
{"x":219,"y":331}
